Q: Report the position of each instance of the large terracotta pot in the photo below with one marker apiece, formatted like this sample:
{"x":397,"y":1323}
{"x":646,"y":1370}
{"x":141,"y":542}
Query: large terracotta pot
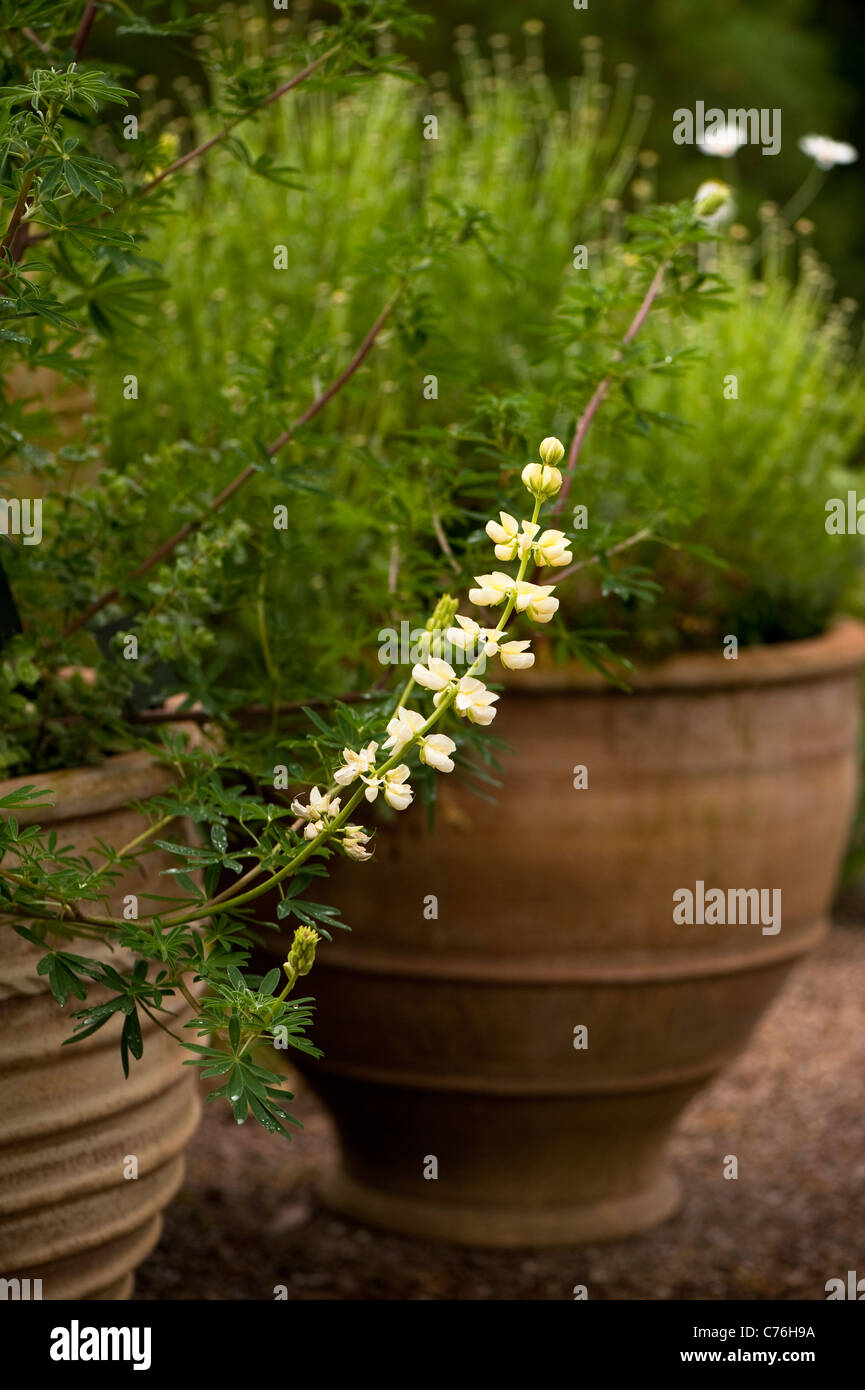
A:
{"x":68,"y":1118}
{"x":454,"y":1038}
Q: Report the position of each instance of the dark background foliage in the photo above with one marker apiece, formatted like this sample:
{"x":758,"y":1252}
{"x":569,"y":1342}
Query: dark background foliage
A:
{"x":805,"y":57}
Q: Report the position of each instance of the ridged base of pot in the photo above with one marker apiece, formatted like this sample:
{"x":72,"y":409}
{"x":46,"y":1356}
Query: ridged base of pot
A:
{"x":504,"y":1170}
{"x":87,"y":1242}
{"x":88,"y":1158}
{"x":105,"y":1273}
{"x":505,"y":1227}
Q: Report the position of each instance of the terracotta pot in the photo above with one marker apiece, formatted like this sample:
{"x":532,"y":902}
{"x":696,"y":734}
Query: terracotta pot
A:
{"x":454,"y":1038}
{"x":68,"y":1118}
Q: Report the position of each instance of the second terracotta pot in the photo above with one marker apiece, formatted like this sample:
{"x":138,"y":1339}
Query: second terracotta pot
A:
{"x":517,"y":1018}
{"x":76,"y":1214}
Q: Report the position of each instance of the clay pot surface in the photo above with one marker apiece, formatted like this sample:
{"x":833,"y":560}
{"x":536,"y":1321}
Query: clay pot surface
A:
{"x":69,"y":1120}
{"x":449,"y":1017}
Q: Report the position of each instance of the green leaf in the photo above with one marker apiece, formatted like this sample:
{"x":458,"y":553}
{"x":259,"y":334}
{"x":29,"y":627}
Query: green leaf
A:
{"x":131,"y":1040}
{"x":181,"y":877}
{"x":270,"y":981}
{"x":317,"y":721}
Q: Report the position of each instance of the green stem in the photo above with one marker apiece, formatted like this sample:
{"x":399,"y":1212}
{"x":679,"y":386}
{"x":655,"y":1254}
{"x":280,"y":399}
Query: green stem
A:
{"x":804,"y":195}
{"x":145,"y":835}
{"x":266,"y":653}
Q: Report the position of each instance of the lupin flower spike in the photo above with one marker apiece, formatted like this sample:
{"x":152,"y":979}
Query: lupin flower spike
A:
{"x":469,"y":698}
{"x":301,"y":957}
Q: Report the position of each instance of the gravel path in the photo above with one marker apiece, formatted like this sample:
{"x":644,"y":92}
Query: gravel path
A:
{"x":791,"y":1108}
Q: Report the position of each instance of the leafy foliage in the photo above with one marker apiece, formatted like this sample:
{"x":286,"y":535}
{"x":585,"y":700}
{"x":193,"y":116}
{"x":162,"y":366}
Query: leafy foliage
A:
{"x":265,"y":487}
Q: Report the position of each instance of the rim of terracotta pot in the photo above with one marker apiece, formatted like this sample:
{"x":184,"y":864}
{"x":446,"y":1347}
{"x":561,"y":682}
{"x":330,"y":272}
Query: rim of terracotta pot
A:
{"x":840,"y":649}
{"x":90,"y":790}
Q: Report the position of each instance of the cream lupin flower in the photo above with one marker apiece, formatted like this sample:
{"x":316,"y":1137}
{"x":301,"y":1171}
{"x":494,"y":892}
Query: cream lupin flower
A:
{"x":435,"y":675}
{"x":355,"y":764}
{"x":468,"y":634}
{"x":535,"y":600}
{"x":354,"y":842}
{"x":494,"y":589}
{"x":504,"y":535}
{"x":551,"y":450}
{"x":322,"y":808}
{"x":474,"y":701}
{"x":515,"y":657}
{"x":402,"y":728}
{"x":543,"y":608}
{"x":551,"y":548}
{"x":512,"y":538}
{"x":484,"y":641}
{"x":397,"y":792}
{"x":436,"y":750}
{"x":467,"y":695}
{"x":528,"y":593}
{"x":527,"y":535}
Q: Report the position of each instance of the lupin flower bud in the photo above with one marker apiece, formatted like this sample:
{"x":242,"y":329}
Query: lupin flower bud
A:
{"x":541,"y":479}
{"x":301,"y":957}
{"x":552,"y":450}
{"x":443,"y":614}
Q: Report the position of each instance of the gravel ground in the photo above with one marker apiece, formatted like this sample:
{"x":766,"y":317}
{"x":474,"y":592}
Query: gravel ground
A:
{"x":791,"y":1108}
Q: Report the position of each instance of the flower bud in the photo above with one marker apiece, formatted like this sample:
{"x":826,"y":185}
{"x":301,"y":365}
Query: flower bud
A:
{"x":443,"y":614}
{"x":552,"y":450}
{"x":301,"y":957}
{"x":713,"y":202}
{"x":541,"y":480}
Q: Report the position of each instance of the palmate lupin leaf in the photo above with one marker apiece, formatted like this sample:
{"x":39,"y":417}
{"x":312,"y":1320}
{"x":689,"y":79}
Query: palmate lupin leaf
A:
{"x":61,"y":169}
{"x":80,"y":89}
{"x":250,"y":1088}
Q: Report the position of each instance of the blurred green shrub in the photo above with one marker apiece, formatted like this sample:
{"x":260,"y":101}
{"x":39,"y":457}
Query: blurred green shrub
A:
{"x":481,"y":349}
{"x":773,"y":406}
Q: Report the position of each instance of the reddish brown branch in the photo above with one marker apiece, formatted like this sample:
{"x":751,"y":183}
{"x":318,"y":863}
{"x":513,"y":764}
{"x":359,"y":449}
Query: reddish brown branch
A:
{"x":226,"y":131}
{"x":33,"y":237}
{"x":638,"y":536}
{"x":35,"y":39}
{"x":82,"y":34}
{"x":603,"y":387}
{"x":17,"y":213}
{"x":336,"y":385}
{"x":439,"y":532}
